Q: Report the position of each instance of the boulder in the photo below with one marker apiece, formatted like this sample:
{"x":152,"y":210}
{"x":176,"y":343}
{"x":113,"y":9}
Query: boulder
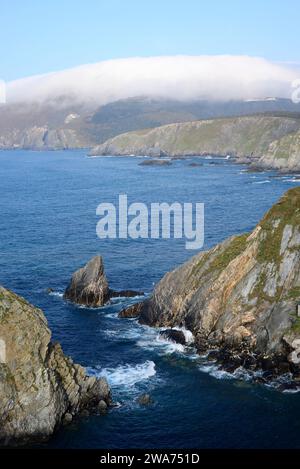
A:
{"x":174,"y":335}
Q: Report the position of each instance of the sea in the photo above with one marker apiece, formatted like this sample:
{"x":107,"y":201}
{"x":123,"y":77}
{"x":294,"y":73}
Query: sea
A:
{"x":48,"y":221}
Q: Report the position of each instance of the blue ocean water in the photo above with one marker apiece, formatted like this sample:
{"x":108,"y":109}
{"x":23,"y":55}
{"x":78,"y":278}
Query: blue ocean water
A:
{"x":48,"y":222}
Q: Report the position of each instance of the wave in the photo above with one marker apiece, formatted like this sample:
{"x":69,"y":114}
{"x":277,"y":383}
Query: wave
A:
{"x":238,"y":374}
{"x":188,"y":335}
{"x":126,"y":375}
{"x":56,"y":293}
{"x":160,"y":344}
{"x":262,"y":182}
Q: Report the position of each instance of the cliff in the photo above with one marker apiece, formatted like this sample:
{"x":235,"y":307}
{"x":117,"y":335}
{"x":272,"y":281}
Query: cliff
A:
{"x":40,"y":387}
{"x":253,"y":139}
{"x":242,"y":295}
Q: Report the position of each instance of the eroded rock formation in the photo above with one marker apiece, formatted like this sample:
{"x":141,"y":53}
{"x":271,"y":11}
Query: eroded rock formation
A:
{"x":40,"y":387}
{"x":241,"y":296}
{"x":89,"y":286}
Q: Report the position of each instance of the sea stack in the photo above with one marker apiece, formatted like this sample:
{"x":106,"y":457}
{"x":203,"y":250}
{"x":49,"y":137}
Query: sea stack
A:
{"x":40,"y":387}
{"x":89,"y":285}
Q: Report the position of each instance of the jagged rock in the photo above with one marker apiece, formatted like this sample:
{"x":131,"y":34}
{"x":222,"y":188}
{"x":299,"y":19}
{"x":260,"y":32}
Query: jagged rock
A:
{"x":88,"y":285}
{"x":40,"y":387}
{"x":132,"y":311}
{"x":174,"y":335}
{"x":242,"y":294}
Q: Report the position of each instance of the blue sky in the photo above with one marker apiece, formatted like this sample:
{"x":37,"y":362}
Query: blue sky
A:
{"x":39,"y":36}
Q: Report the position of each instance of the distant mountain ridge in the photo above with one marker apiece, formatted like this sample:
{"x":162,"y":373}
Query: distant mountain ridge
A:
{"x":59,"y":125}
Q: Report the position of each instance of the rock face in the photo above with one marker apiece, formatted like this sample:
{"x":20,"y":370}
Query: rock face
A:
{"x":40,"y":387}
{"x":88,"y":285}
{"x":174,"y":335}
{"x":250,"y":139}
{"x":242,"y":295}
{"x":132,"y":311}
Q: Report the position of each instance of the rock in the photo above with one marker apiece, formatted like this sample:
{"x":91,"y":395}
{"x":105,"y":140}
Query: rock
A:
{"x":174,"y":335}
{"x":40,"y":387}
{"x":132,"y":311}
{"x":240,"y":296}
{"x":155,"y":163}
{"x":102,"y":407}
{"x":88,"y":285}
{"x":49,"y":290}
{"x":125,"y":293}
{"x":67,"y":418}
{"x":144,"y":399}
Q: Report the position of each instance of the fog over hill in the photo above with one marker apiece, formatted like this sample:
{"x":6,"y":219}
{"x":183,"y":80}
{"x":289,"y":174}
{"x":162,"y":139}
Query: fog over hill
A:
{"x":86,"y":105}
{"x":184,"y":78}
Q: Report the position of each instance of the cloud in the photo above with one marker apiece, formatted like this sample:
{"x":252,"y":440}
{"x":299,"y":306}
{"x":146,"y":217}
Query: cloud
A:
{"x":218,"y":78}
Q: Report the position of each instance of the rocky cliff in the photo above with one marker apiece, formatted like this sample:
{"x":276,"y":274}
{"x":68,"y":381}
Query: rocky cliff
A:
{"x":40,"y":387}
{"x":251,"y":139}
{"x":241,"y":296}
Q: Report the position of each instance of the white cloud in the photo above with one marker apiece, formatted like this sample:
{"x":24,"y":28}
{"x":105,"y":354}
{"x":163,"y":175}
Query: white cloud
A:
{"x":179,"y":77}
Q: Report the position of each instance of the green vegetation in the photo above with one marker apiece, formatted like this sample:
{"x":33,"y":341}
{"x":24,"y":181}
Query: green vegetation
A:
{"x":285,"y":212}
{"x":220,"y":259}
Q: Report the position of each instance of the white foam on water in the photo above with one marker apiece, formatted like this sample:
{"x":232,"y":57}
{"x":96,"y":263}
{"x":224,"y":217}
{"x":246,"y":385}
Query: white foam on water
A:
{"x":126,"y":375}
{"x":159,"y":344}
{"x":295,"y":180}
{"x":291,"y":391}
{"x":188,"y":335}
{"x":238,"y":374}
{"x":262,"y":182}
{"x":56,"y":293}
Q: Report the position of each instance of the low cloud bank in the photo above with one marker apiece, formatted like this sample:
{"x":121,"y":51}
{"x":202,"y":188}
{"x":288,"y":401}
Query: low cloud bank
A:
{"x":219,"y":78}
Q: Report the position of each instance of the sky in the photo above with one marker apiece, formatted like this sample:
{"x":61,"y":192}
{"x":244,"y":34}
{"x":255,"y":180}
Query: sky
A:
{"x":44,"y":36}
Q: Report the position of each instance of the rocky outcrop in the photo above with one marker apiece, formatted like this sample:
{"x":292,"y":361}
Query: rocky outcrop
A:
{"x":132,"y":311}
{"x":154,"y":162}
{"x":174,"y":335}
{"x":247,"y":138}
{"x":241,"y":296}
{"x":40,"y":387}
{"x":282,"y":154}
{"x":88,"y":285}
